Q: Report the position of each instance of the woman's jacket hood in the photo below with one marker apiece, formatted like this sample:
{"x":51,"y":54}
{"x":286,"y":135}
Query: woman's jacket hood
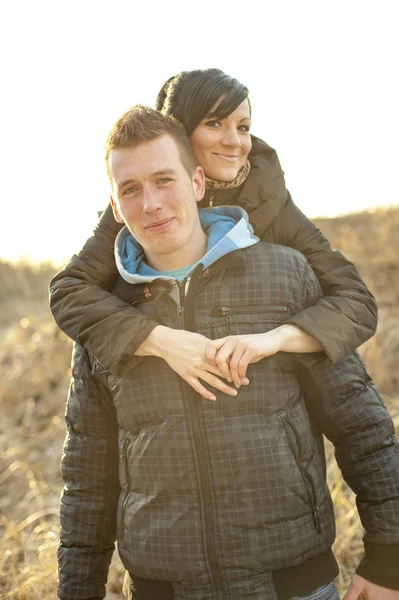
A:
{"x":227,"y":229}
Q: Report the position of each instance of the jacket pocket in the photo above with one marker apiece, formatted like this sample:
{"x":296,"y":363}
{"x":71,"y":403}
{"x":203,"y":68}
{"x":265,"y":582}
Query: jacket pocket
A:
{"x":295,"y":447}
{"x":261,"y":313}
{"x":125,"y":482}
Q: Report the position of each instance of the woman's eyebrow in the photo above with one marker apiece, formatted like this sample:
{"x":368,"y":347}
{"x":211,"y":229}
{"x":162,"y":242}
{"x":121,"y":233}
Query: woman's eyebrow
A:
{"x":212,"y":115}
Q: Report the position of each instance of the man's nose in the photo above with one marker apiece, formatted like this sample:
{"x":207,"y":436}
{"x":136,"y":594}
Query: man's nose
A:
{"x":231,"y":137}
{"x":151,"y":200}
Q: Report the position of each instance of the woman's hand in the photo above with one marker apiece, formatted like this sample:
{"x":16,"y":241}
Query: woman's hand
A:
{"x":184,"y":351}
{"x":234,"y":353}
{"x":361,"y":589}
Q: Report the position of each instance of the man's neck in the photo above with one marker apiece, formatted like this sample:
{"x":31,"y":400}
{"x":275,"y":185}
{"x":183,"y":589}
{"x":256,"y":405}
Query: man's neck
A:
{"x":181,"y":257}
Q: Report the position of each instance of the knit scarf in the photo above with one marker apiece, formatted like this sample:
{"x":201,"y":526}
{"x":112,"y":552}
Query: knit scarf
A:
{"x":213,"y":184}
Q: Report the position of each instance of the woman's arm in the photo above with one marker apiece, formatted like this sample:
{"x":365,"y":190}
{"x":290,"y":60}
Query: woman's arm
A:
{"x":84,"y":308}
{"x":114,"y":332}
{"x":88,"y":506}
{"x":346,"y":316}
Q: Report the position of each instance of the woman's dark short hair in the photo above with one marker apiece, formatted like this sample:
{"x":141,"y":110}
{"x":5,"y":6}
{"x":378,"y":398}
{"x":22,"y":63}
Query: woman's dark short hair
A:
{"x":190,"y":96}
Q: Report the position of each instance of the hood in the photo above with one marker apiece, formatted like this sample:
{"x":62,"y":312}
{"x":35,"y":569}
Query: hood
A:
{"x":227,"y":228}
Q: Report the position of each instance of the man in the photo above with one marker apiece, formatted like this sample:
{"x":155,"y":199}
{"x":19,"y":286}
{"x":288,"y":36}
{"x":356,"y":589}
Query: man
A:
{"x":217,"y":500}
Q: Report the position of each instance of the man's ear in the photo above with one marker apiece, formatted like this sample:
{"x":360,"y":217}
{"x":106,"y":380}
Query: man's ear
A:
{"x":115,"y":210}
{"x":199,"y":183}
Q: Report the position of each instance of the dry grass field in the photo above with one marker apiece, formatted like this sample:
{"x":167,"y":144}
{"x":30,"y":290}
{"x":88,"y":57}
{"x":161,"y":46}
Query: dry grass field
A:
{"x":34,"y":375}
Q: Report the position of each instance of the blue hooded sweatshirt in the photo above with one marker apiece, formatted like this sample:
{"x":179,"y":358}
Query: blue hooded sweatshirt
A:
{"x":226,"y":227}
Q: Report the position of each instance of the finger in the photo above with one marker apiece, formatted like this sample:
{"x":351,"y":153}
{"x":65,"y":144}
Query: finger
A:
{"x":234,"y":363}
{"x":244,"y":362}
{"x":210,"y":353}
{"x":200,"y":389}
{"x":239,"y":362}
{"x":223,"y":358}
{"x":354,"y":591}
{"x":212,"y":349}
{"x":219,"y":384}
{"x":206,"y":366}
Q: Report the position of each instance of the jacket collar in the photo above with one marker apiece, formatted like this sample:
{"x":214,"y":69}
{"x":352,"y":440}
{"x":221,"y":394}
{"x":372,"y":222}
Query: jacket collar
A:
{"x":227,"y":227}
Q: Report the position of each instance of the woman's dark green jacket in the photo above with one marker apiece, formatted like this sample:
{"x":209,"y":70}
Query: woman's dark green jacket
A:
{"x":86,"y":311}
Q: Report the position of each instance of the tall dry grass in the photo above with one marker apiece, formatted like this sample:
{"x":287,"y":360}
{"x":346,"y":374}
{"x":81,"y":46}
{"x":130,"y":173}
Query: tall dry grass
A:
{"x":34,"y":376}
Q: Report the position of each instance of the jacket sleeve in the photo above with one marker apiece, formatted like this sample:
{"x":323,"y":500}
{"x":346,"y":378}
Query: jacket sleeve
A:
{"x":346,"y":316}
{"x":85,"y":309}
{"x":346,"y":407}
{"x":90,"y":495}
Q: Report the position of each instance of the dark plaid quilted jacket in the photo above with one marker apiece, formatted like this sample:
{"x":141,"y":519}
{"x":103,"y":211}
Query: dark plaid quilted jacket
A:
{"x":224,"y":500}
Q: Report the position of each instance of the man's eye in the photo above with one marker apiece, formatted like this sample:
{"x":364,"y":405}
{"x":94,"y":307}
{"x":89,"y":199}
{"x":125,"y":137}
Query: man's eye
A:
{"x":129,"y":190}
{"x":164,"y":180}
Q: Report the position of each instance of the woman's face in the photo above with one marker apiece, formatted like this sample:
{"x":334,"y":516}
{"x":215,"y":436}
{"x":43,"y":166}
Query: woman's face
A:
{"x":222,"y":146}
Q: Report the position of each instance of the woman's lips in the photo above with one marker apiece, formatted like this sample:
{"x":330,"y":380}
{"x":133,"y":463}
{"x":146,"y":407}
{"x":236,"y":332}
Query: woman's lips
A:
{"x":160,"y":225}
{"x":227,"y":157}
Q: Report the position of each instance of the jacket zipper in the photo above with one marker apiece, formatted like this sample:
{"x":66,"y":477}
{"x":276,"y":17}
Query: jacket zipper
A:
{"x":127,"y":482}
{"x":204,"y":479}
{"x":183,"y":289}
{"x":307,"y":479}
{"x":245,"y":310}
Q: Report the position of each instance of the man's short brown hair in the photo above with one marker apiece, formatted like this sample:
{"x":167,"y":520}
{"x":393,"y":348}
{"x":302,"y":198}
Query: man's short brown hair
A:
{"x":142,"y":124}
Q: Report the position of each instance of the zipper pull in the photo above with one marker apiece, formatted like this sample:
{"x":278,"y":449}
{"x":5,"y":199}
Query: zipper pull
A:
{"x":316,"y":519}
{"x":221,"y":310}
{"x":225,"y":312}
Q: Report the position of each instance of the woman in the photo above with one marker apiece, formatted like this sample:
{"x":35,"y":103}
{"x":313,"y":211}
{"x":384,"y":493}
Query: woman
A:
{"x":243,"y":170}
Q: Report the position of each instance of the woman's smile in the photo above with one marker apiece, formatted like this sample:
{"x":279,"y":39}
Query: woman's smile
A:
{"x":228,"y":157}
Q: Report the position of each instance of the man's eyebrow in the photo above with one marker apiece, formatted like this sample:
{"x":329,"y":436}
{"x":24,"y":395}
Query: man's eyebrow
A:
{"x":156,"y":174}
{"x":164,"y":172}
{"x":123,"y":183}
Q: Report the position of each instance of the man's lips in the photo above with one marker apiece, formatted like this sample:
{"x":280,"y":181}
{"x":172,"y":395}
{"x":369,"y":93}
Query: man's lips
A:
{"x":159,"y":225}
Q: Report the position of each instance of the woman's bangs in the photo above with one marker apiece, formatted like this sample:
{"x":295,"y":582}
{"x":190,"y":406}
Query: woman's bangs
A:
{"x":230,"y":102}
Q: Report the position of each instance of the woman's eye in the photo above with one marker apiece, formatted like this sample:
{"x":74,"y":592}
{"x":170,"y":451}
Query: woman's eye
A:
{"x":244,"y":128}
{"x":213,"y":124}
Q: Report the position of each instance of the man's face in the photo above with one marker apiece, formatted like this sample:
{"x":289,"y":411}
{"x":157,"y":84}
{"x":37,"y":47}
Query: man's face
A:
{"x":156,"y":198}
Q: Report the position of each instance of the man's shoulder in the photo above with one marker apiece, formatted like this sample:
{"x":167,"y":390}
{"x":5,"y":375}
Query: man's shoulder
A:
{"x":276,"y":252}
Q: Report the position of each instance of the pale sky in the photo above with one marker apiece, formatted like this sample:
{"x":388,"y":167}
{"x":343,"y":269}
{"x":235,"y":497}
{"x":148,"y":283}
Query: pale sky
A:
{"x":322,"y":75}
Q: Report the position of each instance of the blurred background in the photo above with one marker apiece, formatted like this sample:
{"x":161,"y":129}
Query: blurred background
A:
{"x":323,"y":93}
{"x":322,"y":84}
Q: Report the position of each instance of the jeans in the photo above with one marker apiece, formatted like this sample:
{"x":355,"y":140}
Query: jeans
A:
{"x":325,"y":592}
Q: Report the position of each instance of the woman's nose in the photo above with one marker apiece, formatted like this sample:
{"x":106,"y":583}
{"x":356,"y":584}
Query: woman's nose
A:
{"x":231,"y":137}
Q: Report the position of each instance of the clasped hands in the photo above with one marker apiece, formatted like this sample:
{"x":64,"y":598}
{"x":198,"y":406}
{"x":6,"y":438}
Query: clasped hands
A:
{"x":198,"y":359}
